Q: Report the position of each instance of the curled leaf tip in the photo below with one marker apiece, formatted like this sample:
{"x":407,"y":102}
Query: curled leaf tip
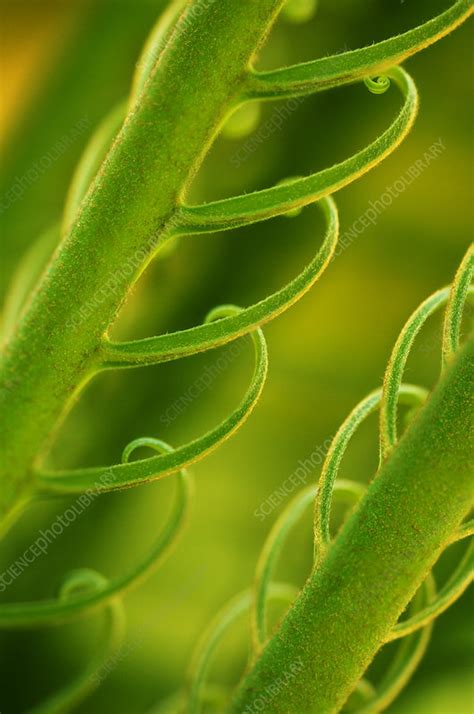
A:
{"x":378,"y":85}
{"x":82,"y":581}
{"x":220,"y":312}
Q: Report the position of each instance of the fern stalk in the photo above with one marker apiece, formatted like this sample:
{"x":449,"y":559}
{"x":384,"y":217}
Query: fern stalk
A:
{"x":382,"y":555}
{"x":120,"y":224}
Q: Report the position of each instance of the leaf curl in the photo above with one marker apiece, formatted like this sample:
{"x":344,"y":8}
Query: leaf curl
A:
{"x":157,"y":467}
{"x":154,"y":350}
{"x":207,"y":646}
{"x":85,"y":683}
{"x":455,"y":297}
{"x":261,"y":205}
{"x":273,"y":546}
{"x":396,"y":367}
{"x":456,"y":585}
{"x":348,"y":67}
{"x":47,"y":612}
{"x":406,"y":393}
{"x":460,"y":291}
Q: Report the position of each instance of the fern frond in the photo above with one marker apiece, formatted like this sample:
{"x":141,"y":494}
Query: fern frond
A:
{"x":355,"y":65}
{"x":48,"y":612}
{"x":260,"y":205}
{"x":214,"y":333}
{"x":334,"y":609}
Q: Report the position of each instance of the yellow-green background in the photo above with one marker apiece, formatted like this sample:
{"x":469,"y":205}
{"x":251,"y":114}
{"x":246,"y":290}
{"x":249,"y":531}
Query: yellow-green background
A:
{"x":63,"y":60}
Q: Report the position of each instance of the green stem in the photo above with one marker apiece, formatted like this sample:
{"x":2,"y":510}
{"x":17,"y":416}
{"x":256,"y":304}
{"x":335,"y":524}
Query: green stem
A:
{"x":382,"y":555}
{"x":120,"y":225}
{"x":348,"y":67}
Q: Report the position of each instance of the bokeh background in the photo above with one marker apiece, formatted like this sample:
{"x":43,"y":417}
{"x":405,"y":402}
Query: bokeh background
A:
{"x":65,"y":60}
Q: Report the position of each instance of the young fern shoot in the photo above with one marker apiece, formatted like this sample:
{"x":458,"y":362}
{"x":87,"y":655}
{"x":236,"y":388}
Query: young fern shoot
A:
{"x":127,"y":199}
{"x":352,"y":600}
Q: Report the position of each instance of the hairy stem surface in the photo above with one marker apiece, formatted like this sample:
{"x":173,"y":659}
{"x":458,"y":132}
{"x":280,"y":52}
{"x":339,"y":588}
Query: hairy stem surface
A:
{"x":121,"y":223}
{"x":374,"y":567}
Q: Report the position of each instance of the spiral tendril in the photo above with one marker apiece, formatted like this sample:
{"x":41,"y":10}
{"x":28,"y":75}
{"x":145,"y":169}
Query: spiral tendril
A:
{"x":82,"y":600}
{"x":414,"y":630}
{"x":76,"y":583}
{"x":377,"y":85}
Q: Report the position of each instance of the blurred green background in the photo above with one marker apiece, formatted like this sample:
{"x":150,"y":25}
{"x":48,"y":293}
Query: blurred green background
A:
{"x":65,"y":60}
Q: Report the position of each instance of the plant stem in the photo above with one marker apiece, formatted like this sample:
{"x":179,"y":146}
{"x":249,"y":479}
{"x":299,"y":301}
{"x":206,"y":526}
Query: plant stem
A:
{"x":120,"y":224}
{"x":375,"y":565}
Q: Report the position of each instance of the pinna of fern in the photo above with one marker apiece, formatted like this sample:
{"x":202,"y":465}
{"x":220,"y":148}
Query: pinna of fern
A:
{"x":415,"y":628}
